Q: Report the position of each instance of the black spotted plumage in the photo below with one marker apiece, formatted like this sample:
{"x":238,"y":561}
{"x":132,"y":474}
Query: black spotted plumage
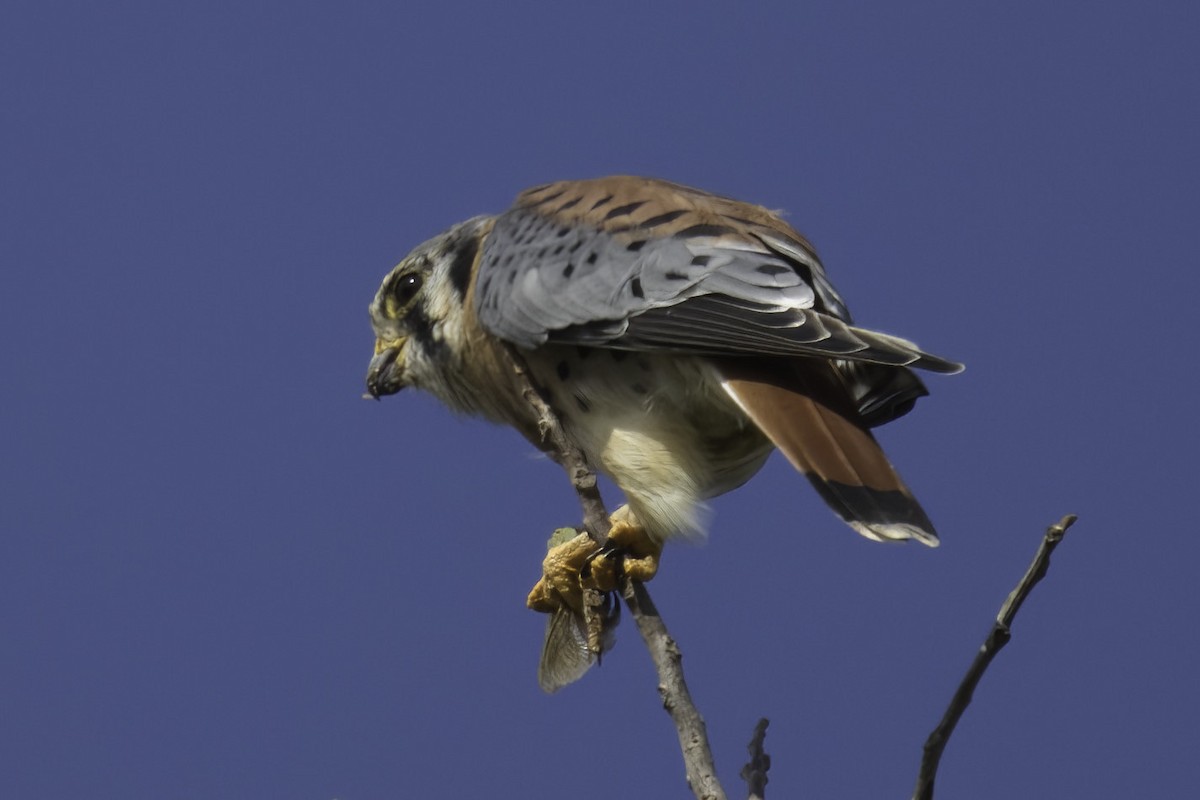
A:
{"x":672,"y":269}
{"x":764,"y":345}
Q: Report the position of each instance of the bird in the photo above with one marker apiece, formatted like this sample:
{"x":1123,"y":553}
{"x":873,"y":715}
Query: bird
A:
{"x":679,"y":337}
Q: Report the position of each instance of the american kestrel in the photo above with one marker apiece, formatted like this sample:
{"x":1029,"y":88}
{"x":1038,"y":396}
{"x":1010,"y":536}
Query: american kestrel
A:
{"x":678,"y":335}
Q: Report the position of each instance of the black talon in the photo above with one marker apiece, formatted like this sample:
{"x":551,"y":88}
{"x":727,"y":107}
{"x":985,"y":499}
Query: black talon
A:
{"x":609,"y":551}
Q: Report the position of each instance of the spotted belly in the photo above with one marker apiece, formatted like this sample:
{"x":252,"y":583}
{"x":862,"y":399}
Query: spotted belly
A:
{"x":660,"y":426}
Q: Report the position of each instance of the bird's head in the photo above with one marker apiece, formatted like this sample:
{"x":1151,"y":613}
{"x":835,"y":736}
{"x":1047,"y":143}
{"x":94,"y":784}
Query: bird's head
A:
{"x":417,"y":314}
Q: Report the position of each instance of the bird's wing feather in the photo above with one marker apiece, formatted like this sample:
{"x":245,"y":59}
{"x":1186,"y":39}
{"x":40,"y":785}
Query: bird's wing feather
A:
{"x":643,"y":264}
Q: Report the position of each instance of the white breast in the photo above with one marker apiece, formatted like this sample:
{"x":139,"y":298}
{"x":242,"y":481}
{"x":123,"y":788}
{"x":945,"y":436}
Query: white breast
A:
{"x":659,"y":425}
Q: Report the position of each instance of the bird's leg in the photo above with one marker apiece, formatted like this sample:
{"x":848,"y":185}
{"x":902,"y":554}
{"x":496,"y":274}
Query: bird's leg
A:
{"x":630,"y":551}
{"x":575,"y":565}
{"x":642,"y":551}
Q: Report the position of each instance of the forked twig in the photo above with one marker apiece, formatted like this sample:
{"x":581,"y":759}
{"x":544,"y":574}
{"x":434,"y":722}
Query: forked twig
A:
{"x":755,"y":771}
{"x":995,"y":641}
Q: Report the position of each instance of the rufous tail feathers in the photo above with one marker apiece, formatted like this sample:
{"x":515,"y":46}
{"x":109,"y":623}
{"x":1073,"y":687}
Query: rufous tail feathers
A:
{"x":806,"y":412}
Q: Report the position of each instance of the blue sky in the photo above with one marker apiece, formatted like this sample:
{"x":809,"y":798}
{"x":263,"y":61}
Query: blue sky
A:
{"x":222,"y":574}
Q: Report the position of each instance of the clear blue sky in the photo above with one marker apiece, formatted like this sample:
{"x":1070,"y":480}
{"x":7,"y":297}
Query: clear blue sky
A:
{"x":222,"y":574}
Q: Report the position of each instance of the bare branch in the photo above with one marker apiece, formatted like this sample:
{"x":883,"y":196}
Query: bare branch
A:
{"x":693,"y":737}
{"x":677,"y":700}
{"x":755,"y":771}
{"x":995,"y":641}
{"x":568,"y":456}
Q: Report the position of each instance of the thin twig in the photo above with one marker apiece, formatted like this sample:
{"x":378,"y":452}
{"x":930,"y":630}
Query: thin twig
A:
{"x":755,"y":771}
{"x":999,"y":635}
{"x":672,"y":688}
{"x":568,"y":456}
{"x":693,"y":737}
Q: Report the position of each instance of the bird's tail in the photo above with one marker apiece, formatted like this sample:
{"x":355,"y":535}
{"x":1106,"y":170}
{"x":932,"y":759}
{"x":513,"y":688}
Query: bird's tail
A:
{"x":810,"y":416}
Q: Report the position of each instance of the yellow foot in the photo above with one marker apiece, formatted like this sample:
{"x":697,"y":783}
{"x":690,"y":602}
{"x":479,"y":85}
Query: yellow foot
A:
{"x":578,"y":578}
{"x":574,"y":564}
{"x":630,"y":552}
{"x":561,"y":585}
{"x":581,"y":623}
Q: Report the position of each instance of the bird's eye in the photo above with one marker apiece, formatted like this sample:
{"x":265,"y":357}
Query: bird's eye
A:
{"x":406,"y":288}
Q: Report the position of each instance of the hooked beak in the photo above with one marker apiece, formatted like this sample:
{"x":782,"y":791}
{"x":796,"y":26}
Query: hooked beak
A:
{"x":383,"y":374}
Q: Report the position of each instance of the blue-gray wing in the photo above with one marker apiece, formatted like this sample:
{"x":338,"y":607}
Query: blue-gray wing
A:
{"x":642,"y":264}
